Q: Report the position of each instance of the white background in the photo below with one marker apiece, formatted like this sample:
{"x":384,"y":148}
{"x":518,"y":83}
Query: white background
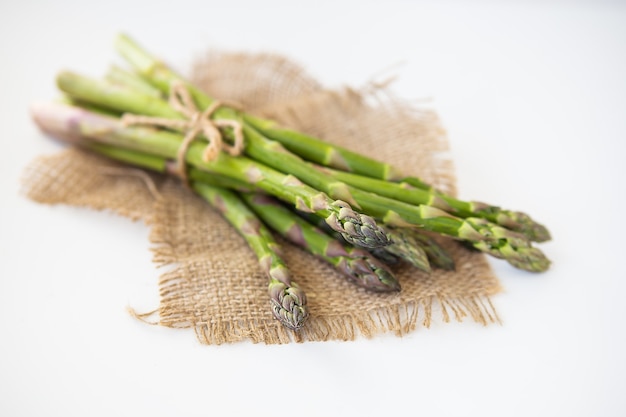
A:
{"x":533,"y":95}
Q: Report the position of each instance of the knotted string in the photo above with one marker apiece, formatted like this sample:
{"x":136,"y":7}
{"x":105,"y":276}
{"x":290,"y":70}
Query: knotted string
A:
{"x":196,"y":122}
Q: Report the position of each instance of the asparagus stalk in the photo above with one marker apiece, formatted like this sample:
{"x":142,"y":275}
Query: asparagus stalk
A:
{"x":288,"y":301}
{"x":355,"y":263}
{"x":74,"y":124}
{"x":164,"y":166}
{"x":114,"y":96}
{"x":485,"y":236}
{"x":117,"y":75}
{"x":159,"y":74}
{"x":404,"y":191}
{"x":322,"y":152}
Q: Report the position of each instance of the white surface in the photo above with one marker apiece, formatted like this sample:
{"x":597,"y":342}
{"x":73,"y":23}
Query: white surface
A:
{"x":534,"y":99}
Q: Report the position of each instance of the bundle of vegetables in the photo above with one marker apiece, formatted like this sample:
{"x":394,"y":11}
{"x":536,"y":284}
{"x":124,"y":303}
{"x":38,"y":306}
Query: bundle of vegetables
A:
{"x":354,"y":212}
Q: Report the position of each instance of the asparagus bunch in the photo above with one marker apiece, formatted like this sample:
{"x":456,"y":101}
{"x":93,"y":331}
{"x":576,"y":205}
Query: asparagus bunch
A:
{"x":366,"y":202}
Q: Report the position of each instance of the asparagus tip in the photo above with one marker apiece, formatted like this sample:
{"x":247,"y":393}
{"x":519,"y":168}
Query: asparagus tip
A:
{"x":529,"y":259}
{"x":358,"y":229}
{"x":537,"y":232}
{"x":288,"y":304}
{"x":523,"y":223}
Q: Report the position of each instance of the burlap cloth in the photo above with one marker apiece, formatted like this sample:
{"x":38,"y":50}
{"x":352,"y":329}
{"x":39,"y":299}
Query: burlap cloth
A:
{"x":213,"y":283}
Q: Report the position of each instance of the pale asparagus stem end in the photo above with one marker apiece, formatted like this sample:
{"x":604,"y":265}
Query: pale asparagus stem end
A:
{"x":55,"y":119}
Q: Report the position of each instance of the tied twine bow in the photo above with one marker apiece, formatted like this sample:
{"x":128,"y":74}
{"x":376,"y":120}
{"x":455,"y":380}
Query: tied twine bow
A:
{"x":196,"y":122}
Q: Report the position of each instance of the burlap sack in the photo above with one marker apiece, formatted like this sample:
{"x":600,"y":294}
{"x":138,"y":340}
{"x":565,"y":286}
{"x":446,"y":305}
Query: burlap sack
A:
{"x":213,"y":284}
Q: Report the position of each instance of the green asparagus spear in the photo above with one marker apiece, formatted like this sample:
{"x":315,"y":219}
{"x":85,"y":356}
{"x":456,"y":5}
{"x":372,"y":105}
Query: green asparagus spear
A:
{"x":406,"y":192}
{"x":357,"y":264}
{"x":288,"y":301}
{"x":75,"y":124}
{"x":113,"y":96}
{"x":164,"y":166}
{"x":153,"y":70}
{"x":324,"y":153}
{"x":117,"y":75}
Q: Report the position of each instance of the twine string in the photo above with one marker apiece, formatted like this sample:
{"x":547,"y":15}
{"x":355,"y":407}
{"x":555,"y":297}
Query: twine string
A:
{"x":196,"y":122}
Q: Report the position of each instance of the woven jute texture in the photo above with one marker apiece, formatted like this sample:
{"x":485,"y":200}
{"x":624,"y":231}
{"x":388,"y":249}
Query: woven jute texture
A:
{"x":213,"y":283}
